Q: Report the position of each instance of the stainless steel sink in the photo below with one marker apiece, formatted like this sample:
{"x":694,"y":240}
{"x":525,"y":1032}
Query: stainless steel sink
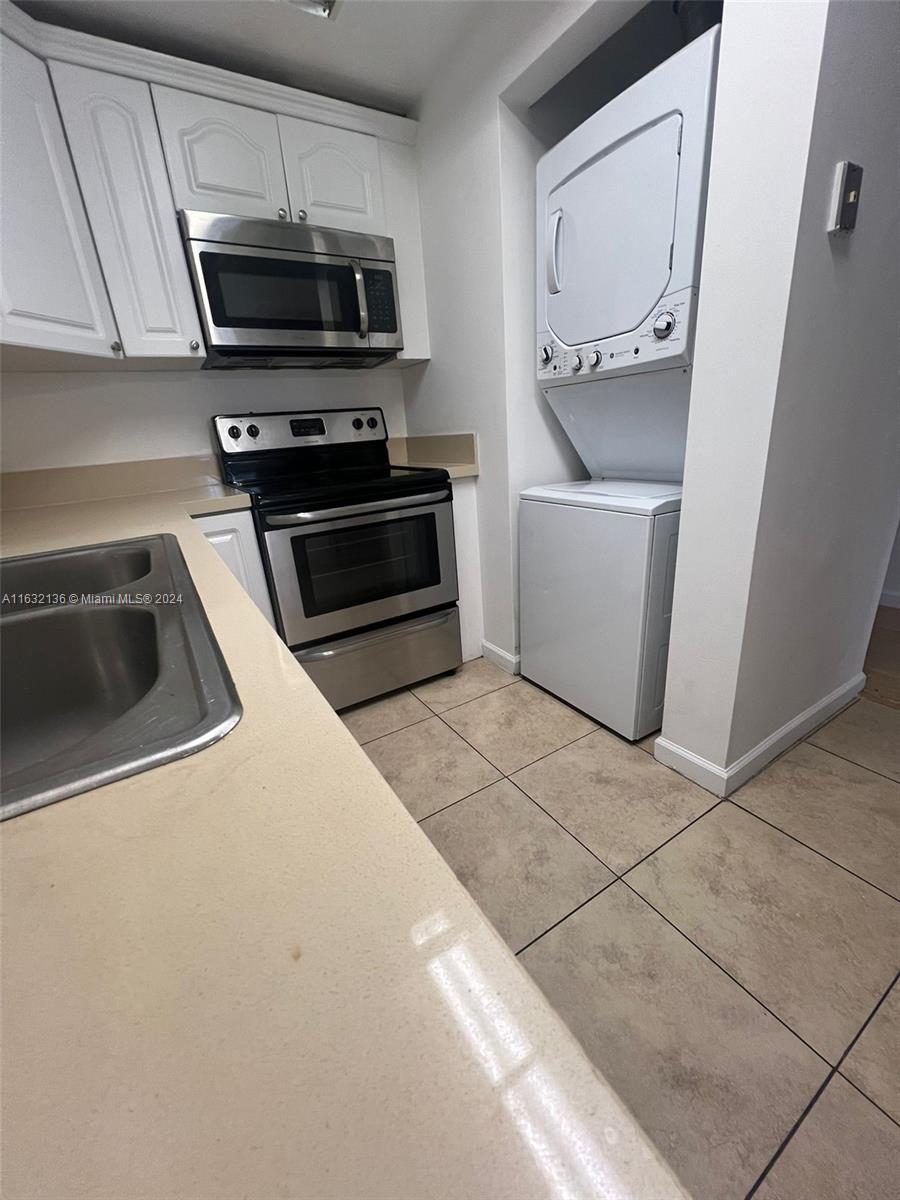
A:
{"x":109,"y":667}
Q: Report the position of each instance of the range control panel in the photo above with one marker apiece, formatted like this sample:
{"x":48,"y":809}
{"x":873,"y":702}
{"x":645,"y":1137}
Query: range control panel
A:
{"x":664,"y":340}
{"x":249,"y":433}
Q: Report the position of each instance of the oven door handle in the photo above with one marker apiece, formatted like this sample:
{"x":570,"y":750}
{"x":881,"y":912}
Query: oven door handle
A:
{"x":361,"y":298}
{"x":369,"y":639}
{"x":354,"y":510}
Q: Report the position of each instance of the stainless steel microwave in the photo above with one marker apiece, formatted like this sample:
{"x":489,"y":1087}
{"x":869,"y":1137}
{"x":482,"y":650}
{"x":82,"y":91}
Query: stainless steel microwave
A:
{"x":281,"y":295}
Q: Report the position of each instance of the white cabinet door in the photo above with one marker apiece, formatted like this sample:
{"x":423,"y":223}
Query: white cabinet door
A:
{"x":222,"y":157}
{"x":53,"y":292}
{"x":114,"y":141}
{"x":233,"y":538}
{"x":333,"y":176}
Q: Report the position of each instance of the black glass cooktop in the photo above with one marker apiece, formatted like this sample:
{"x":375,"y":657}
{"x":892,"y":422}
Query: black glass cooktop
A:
{"x":354,"y":485}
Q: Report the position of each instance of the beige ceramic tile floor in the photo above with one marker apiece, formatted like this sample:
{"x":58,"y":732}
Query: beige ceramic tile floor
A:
{"x":729,"y":966}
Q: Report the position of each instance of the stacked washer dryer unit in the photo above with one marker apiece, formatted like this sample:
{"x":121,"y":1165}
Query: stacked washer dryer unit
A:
{"x":621,"y":204}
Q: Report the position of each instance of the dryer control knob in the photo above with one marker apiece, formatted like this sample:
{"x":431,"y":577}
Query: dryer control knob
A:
{"x":595,"y":358}
{"x":663,"y":325}
{"x":577,"y":362}
{"x":546,"y":354}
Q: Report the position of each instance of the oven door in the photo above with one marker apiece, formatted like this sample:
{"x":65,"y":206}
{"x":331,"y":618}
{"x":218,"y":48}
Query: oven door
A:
{"x":341,"y":569}
{"x":279,"y":298}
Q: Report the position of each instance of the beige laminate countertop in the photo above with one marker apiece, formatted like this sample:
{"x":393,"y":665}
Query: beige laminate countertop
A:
{"x":248,"y":973}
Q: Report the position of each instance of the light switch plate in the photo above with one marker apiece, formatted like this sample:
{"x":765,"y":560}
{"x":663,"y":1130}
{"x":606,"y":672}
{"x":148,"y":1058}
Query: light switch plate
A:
{"x":844,"y":197}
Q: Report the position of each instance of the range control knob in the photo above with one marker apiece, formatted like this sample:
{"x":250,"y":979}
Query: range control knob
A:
{"x":234,"y":431}
{"x":357,"y":422}
{"x":595,"y":358}
{"x":577,"y":363}
{"x":663,"y":325}
{"x":253,"y":431}
{"x":372,"y":422}
{"x":546,"y":354}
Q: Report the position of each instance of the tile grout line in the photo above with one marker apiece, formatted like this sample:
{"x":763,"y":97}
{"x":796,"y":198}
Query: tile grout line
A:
{"x":572,"y":835}
{"x":806,"y":845}
{"x":671,"y":837}
{"x":865,"y":1095}
{"x":471,"y":699}
{"x":420,"y":721}
{"x":842,"y":757}
{"x":618,"y":878}
{"x":809,"y":1107}
{"x":524,"y":765}
{"x":528,"y":945}
{"x":453,"y":803}
{"x":431,"y":712}
{"x":727,"y":973}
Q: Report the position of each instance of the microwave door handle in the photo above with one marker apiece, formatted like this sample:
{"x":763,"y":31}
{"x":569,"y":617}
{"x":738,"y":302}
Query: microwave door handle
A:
{"x":361,"y":299}
{"x":553,"y":281}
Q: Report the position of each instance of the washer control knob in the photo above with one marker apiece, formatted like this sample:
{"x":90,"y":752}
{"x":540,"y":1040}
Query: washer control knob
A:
{"x":357,"y":422}
{"x":663,"y":325}
{"x":234,"y":431}
{"x":253,"y":431}
{"x":546,"y":354}
{"x":372,"y":422}
{"x":577,"y":363}
{"x":595,"y":358}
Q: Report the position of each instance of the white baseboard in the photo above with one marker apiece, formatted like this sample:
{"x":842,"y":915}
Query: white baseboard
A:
{"x":508,"y":662}
{"x":722,"y":781}
{"x":890,"y":599}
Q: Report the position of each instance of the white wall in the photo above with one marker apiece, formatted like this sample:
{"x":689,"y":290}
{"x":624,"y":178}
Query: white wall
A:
{"x":891,"y":590}
{"x":790,"y":500}
{"x":537,"y":447}
{"x":478,"y":240}
{"x":62,"y":419}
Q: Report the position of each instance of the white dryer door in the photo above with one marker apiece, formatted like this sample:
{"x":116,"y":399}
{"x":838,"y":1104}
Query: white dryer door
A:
{"x":609,"y":231}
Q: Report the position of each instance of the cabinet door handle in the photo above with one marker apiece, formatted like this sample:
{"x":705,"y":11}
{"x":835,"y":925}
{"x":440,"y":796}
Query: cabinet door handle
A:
{"x":282,"y":214}
{"x":302,"y":214}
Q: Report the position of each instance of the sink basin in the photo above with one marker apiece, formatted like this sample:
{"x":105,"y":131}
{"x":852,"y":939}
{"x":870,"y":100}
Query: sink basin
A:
{"x":109,"y":668}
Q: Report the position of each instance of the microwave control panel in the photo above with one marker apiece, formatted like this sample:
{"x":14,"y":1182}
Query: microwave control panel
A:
{"x":380,"y":300}
{"x":665,"y":339}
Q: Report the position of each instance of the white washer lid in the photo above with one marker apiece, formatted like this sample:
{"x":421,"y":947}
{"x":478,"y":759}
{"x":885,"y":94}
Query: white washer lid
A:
{"x":642,"y":496}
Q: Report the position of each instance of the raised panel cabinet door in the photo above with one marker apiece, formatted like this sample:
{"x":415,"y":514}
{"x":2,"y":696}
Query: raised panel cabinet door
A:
{"x":115,"y":144}
{"x":53,"y":294}
{"x":333,"y":176}
{"x":233,"y":538}
{"x":221,"y":157}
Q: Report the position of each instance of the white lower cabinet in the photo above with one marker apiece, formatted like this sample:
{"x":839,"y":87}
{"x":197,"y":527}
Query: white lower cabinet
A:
{"x":468,"y":567}
{"x":232,"y":536}
{"x":111,"y":127}
{"x":54,"y":297}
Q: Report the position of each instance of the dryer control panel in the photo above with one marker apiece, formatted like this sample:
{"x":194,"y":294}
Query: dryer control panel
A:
{"x":665,"y":339}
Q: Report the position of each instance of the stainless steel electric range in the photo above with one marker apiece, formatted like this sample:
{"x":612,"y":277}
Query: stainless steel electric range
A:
{"x":359,"y":554}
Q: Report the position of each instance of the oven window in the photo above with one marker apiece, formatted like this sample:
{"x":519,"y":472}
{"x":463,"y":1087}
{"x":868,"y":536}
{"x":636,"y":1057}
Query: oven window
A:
{"x":250,"y":292}
{"x":357,"y":565}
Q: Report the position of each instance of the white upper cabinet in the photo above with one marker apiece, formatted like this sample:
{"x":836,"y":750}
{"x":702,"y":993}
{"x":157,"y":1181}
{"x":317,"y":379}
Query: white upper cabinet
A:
{"x":222,"y":157}
{"x":118,"y":157}
{"x":52,"y":288}
{"x":333,"y":176}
